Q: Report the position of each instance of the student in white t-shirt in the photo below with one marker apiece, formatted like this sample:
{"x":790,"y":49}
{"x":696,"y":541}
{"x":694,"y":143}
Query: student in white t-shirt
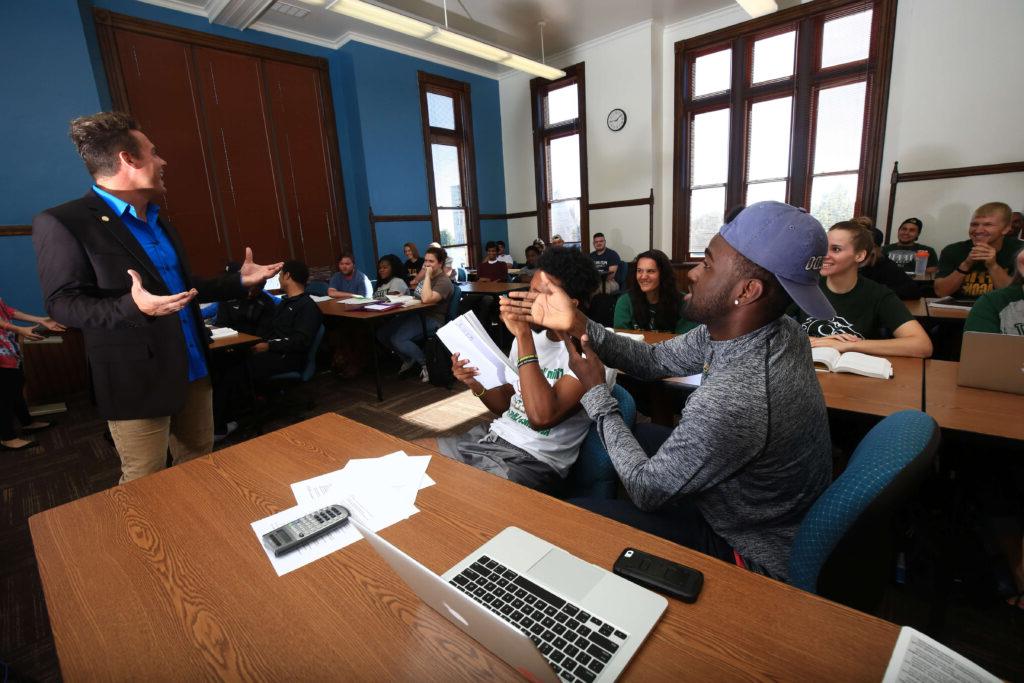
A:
{"x":537,"y":434}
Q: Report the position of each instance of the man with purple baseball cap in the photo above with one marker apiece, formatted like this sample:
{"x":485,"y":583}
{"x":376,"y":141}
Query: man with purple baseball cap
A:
{"x":751,"y":452}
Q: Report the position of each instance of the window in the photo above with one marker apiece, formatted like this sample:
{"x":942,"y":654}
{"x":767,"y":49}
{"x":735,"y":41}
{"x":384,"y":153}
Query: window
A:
{"x":448,"y":142}
{"x":560,"y":157}
{"x":788,"y":107}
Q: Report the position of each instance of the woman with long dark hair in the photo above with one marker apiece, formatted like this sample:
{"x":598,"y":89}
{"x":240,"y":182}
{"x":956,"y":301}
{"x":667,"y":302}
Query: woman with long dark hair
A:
{"x":652,"y":301}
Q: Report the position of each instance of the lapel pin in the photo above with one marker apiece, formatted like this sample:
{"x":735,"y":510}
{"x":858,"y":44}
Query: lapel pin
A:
{"x":105,"y":219}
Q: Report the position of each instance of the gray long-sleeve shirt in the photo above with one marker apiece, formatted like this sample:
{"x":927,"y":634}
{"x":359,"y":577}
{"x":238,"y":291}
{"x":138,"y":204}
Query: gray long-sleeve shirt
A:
{"x":752,"y":450}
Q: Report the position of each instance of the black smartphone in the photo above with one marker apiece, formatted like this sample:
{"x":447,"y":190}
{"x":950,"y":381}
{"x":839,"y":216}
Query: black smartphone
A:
{"x":659,"y":574}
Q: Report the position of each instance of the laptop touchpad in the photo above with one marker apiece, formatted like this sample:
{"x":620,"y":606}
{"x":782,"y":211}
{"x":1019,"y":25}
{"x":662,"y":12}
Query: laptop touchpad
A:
{"x":570,"y":576}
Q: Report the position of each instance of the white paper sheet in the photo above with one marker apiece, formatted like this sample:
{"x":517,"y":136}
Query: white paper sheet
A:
{"x":319,"y":299}
{"x":467,"y":337}
{"x":917,"y":658}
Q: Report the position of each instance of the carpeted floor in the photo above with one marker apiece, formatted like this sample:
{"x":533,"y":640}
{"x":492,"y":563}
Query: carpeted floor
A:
{"x":75,"y":459}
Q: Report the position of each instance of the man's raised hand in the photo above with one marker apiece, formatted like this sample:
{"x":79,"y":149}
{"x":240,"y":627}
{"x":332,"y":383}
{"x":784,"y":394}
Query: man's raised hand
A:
{"x":155,"y":306}
{"x":253,"y":273}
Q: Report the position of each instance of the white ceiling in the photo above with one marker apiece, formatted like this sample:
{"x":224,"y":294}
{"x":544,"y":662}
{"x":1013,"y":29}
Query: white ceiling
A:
{"x":510,"y":24}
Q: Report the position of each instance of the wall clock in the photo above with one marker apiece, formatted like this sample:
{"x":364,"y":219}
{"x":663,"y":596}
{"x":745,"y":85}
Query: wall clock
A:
{"x":616,"y":120}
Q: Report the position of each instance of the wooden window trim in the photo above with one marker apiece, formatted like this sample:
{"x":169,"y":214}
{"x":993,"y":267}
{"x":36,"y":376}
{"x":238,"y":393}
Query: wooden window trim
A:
{"x":808,"y":20}
{"x":462,"y":139}
{"x":539,"y":88}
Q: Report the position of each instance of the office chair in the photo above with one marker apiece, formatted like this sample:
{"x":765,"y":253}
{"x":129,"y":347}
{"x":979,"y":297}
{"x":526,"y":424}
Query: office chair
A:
{"x":283,"y":380}
{"x":844,"y":549}
{"x":593,"y":475}
{"x":316,"y":288}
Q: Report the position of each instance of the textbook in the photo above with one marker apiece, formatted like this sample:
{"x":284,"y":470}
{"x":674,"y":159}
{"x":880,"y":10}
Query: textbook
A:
{"x":466,"y":336}
{"x":950,"y":302}
{"x":851,"y":361}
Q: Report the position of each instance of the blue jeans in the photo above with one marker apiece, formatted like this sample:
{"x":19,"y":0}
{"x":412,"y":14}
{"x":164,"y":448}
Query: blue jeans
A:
{"x":405,"y":333}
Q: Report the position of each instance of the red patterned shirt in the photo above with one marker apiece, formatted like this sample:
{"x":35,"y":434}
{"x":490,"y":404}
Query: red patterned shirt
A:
{"x":10,"y":354}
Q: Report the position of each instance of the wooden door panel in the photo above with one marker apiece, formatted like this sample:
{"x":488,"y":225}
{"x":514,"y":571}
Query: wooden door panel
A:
{"x":233,"y":95}
{"x":305,"y":161}
{"x":163,"y":97}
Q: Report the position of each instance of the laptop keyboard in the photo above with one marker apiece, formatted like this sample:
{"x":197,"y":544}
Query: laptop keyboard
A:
{"x":577,"y":644}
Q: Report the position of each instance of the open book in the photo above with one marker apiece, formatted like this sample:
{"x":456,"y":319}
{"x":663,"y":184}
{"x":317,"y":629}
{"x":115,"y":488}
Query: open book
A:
{"x":466,"y":336}
{"x":851,"y":361}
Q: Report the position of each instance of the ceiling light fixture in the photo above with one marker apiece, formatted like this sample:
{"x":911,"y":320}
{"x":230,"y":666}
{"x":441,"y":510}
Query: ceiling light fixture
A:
{"x":396,"y":21}
{"x":757,"y":8}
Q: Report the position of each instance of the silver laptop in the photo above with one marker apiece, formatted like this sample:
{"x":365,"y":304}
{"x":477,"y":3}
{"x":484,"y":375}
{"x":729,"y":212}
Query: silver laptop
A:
{"x":992,"y":361}
{"x":549,"y":615}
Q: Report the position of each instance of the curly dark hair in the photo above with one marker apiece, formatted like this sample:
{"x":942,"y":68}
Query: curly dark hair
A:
{"x":100,"y":139}
{"x":575,"y":270}
{"x":670,"y":300}
{"x":397,"y":267}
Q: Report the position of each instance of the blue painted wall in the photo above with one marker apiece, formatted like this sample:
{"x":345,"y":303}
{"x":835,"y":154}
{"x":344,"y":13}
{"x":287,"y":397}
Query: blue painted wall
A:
{"x":53,"y":73}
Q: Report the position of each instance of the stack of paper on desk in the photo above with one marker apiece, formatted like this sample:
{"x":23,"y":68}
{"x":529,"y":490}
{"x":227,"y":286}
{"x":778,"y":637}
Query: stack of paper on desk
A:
{"x":221,"y":332}
{"x":319,"y":299}
{"x":467,"y":337}
{"x":378,"y":492}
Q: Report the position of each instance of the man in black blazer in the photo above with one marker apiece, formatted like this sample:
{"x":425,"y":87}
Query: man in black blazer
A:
{"x":111,"y":267}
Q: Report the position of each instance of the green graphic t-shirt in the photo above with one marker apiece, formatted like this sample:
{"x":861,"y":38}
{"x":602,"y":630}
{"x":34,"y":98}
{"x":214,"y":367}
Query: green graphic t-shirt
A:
{"x":903,"y":256}
{"x":978,"y":281}
{"x":999,"y":312}
{"x":624,"y":319}
{"x":869,"y":310}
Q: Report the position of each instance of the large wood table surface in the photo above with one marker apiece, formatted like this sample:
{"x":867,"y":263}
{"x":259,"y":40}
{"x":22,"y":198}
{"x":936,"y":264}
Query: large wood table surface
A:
{"x":919,"y":308}
{"x":846,"y":391}
{"x":235,"y":340}
{"x":333,"y":308}
{"x":967,"y":409}
{"x":163,"y":579}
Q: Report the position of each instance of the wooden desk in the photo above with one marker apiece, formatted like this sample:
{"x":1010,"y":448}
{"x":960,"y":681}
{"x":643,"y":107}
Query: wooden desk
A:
{"x":978,"y":411}
{"x":333,"y":309}
{"x":492,"y":287}
{"x":164,"y":577}
{"x":234,"y":341}
{"x":919,"y":308}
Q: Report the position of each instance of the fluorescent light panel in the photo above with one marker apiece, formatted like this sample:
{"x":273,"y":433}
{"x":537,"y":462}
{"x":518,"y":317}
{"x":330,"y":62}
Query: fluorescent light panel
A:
{"x":396,"y":21}
{"x":757,"y":8}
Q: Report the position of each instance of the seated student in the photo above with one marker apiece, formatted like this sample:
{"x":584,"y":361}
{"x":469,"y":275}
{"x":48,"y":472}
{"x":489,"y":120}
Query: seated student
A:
{"x":532,"y":256}
{"x":503,"y":255}
{"x":903,"y":252}
{"x":389,"y":276}
{"x":1000,"y":311}
{"x":751,"y":452}
{"x":883,"y":271}
{"x":402,"y":332}
{"x":652,"y":302}
{"x":557,"y":241}
{"x":982,"y":263}
{"x":348,"y":281}
{"x":1017,"y":225}
{"x":251,"y":315}
{"x":293,"y":328}
{"x":540,"y":426}
{"x":865,"y":310}
{"x":608,"y":263}
{"x":491,"y":269}
{"x":413,"y":260}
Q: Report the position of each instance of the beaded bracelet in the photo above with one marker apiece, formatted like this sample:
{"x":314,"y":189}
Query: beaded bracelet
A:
{"x":523,"y":360}
{"x":526,"y":361}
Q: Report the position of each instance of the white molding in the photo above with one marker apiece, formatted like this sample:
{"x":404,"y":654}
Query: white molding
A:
{"x":350,"y":36}
{"x":709,"y":21}
{"x":179,"y":6}
{"x":264,"y":27}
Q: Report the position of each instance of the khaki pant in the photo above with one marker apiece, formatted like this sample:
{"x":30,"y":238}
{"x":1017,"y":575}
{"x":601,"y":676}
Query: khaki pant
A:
{"x":142,"y":444}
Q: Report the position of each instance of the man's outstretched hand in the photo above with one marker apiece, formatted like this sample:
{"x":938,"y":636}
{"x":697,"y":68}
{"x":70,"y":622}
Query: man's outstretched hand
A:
{"x":155,"y":306}
{"x":548,"y":307}
{"x":253,"y":273}
{"x":587,"y":367}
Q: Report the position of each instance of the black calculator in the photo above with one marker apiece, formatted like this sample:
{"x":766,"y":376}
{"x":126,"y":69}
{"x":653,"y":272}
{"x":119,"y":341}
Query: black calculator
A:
{"x":298,"y":533}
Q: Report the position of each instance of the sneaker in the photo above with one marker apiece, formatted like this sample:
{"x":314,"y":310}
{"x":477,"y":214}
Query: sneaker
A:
{"x":406,"y":366}
{"x":229,"y":427}
{"x":424,"y":375}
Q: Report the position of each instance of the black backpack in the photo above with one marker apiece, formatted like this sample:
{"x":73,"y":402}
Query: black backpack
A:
{"x":439,"y":363}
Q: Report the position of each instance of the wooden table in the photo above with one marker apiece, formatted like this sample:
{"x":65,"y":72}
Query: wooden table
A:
{"x":372,"y":318}
{"x":478,"y":287}
{"x":234,"y":341}
{"x":978,"y":411}
{"x":845,"y":391}
{"x":919,"y":308}
{"x":163,"y":577}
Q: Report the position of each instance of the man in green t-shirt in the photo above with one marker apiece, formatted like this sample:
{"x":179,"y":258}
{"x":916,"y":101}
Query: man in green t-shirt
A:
{"x":982,"y":263}
{"x":904,"y":251}
{"x":1001,"y":311}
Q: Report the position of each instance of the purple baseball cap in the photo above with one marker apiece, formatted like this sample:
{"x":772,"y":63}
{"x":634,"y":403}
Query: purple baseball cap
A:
{"x":790,"y":244}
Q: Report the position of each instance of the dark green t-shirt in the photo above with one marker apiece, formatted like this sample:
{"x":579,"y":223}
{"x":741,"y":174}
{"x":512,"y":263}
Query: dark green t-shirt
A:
{"x":869,"y":310}
{"x":998,"y":312}
{"x":903,"y":256}
{"x":624,"y":320}
{"x":978,"y":281}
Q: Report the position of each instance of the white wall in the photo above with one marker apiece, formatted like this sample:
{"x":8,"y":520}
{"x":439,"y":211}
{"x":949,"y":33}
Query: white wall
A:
{"x":620,"y":164}
{"x":956,"y":98}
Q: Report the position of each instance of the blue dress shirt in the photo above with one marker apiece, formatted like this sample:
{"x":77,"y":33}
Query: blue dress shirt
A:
{"x":158,"y":248}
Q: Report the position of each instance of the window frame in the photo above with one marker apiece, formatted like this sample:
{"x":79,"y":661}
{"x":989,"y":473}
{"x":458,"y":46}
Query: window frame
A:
{"x":539,"y":88}
{"x":807,"y":80}
{"x":462,"y":139}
